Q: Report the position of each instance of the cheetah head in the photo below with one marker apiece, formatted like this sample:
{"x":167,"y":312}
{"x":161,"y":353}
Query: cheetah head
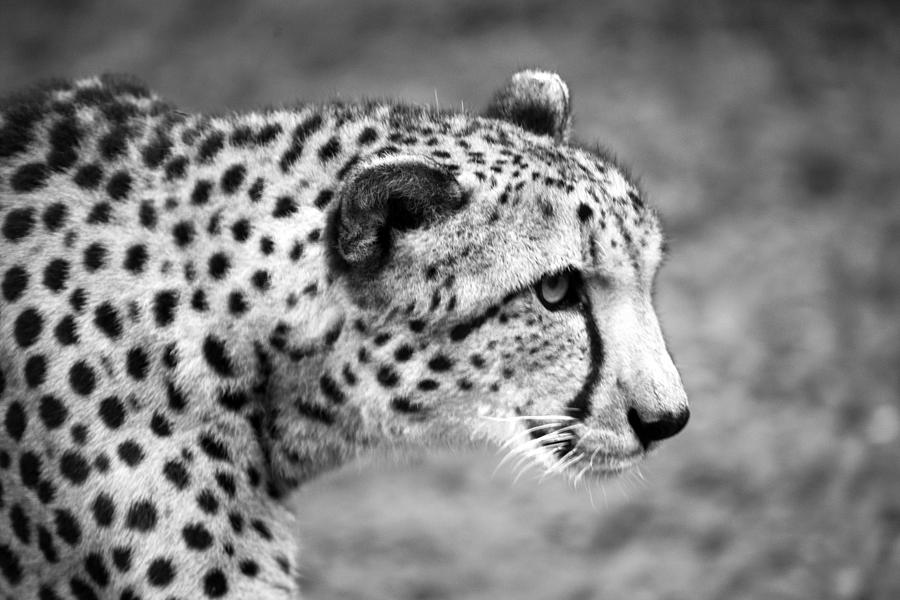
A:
{"x":499,"y":280}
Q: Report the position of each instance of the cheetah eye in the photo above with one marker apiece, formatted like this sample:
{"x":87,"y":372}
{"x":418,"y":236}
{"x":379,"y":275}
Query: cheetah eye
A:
{"x":559,"y":290}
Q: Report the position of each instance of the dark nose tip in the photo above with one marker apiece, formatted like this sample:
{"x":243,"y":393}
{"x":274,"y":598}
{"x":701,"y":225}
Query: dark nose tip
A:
{"x":653,"y":431}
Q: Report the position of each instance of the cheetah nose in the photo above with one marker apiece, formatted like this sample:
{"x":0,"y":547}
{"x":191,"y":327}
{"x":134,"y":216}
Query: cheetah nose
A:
{"x":667,"y":425}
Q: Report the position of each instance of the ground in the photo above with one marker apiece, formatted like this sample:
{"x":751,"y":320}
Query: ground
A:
{"x":766,"y":135}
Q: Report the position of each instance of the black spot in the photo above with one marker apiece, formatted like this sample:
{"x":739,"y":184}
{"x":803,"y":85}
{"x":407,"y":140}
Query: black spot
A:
{"x":79,"y":433}
{"x":296,"y":251}
{"x":46,"y":492}
{"x":176,"y":473}
{"x":417,"y":325}
{"x":81,"y":590}
{"x":136,"y":363}
{"x":52,"y":412}
{"x":112,"y":145}
{"x":233,"y":178}
{"x":141,"y":516}
{"x":18,"y":223}
{"x":156,"y":151}
{"x":196,"y":536}
{"x":112,"y":412}
{"x":96,"y":569}
{"x":45,"y":543}
{"x":21,"y":524}
{"x":27,"y":327}
{"x":261,"y":280}
{"x":215,"y":585}
{"x":88,"y":177}
{"x":440,"y":363}
{"x":176,"y":168}
{"x":55,"y":216}
{"x":211,"y":146}
{"x":241,"y":230}
{"x":584,"y":212}
{"x":135,"y":258}
{"x":160,"y":425}
{"x":428,"y":385}
{"x":81,"y":378}
{"x":10,"y":565}
{"x":331,"y":389}
{"x":161,"y":572}
{"x":323,"y":199}
{"x":213,"y":448}
{"x":101,"y":462}
{"x":15,"y":280}
{"x":130,"y":453}
{"x":64,"y":139}
{"x":78,"y":299}
{"x":314,"y":235}
{"x":342,"y":172}
{"x":367,"y":136}
{"x":266,"y":245}
{"x":233,"y":400}
{"x":147,"y":214}
{"x":122,"y":558}
{"x":30,"y":177}
{"x":65,"y":331}
{"x":164,"y":307}
{"x":261,"y":528}
{"x":30,"y":469}
{"x":309,"y":126}
{"x":217,"y":357}
{"x":314,"y":411}
{"x":226,"y":483}
{"x":35,"y":370}
{"x":119,"y":185}
{"x":100,"y":214}
{"x":249,"y":568}
{"x":74,"y":467}
{"x":15,"y":420}
{"x":198,"y":301}
{"x":184,"y":233}
{"x":94,"y":257}
{"x":284,"y":207}
{"x":207,"y":502}
{"x":387,"y":376}
{"x":218,"y":265}
{"x":236,"y":303}
{"x":56,"y":274}
{"x":256,"y":190}
{"x":104,"y":510}
{"x":67,"y":527}
{"x":107,"y":320}
{"x":202,"y":190}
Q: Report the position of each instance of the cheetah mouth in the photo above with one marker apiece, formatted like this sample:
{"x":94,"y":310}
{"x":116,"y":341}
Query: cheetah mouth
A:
{"x":561,"y":446}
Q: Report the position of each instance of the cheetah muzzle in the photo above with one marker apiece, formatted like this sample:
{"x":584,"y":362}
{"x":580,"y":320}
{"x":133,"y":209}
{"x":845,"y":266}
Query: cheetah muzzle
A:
{"x":199,"y":313}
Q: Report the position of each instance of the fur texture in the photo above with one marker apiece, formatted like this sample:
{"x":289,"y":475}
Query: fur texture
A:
{"x":182,"y":339}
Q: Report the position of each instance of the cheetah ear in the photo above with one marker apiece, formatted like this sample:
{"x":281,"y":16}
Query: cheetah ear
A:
{"x":381,"y":199}
{"x":537,"y":101}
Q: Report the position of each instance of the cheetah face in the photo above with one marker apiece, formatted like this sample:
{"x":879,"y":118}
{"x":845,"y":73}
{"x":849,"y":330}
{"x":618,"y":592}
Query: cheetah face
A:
{"x":516,"y":306}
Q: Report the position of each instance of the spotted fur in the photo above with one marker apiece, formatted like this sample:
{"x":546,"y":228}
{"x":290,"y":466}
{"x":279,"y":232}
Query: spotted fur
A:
{"x":199,"y":313}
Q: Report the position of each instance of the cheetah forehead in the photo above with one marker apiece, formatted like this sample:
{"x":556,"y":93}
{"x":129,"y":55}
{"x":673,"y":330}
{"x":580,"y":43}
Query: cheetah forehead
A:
{"x":535,"y":207}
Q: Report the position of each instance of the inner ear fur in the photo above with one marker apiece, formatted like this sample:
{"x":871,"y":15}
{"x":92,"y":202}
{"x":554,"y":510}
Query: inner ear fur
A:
{"x":382,"y":199}
{"x":537,"y":101}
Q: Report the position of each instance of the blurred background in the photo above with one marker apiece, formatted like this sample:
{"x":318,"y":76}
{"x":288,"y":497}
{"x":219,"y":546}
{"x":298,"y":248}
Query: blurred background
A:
{"x":768,"y":134}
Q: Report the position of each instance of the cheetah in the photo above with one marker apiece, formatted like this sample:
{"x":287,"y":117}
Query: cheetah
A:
{"x":200,"y":313}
